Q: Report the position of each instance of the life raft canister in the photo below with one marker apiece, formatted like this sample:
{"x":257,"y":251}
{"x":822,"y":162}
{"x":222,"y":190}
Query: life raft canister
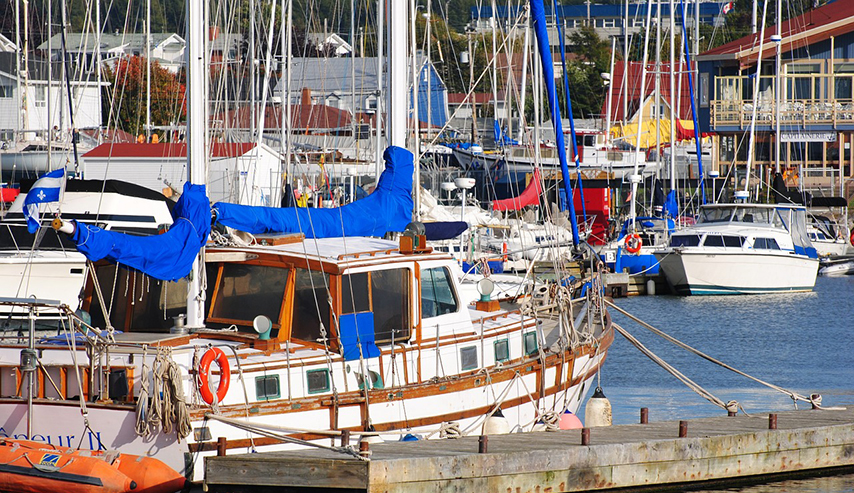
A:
{"x":633,"y":243}
{"x":214,"y":354}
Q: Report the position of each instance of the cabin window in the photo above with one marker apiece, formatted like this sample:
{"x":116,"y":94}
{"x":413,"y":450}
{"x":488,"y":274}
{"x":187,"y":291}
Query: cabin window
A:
{"x":245,"y":291}
{"x":468,"y":358}
{"x":715,"y":215}
{"x":311,"y":305}
{"x":355,"y":296}
{"x":531,"y":346}
{"x":685,"y":241}
{"x":437,"y":295}
{"x":390,"y":296}
{"x":318,"y":381}
{"x":713,"y":241}
{"x":733,"y":241}
{"x":267,"y":387}
{"x":502,"y":350}
{"x":765,"y":244}
{"x":153,"y":303}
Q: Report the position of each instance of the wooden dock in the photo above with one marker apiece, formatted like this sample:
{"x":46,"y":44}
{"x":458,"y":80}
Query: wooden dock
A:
{"x":722,"y":449}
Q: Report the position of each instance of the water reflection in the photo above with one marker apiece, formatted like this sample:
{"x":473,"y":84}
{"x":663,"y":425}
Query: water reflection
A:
{"x":829,"y":484}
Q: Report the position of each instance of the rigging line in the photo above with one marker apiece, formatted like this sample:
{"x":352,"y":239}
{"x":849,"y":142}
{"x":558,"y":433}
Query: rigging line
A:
{"x":669,"y":338}
{"x":676,"y":373}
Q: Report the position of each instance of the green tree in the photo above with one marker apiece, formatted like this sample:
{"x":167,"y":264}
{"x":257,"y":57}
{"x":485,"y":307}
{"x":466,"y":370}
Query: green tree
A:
{"x":592,"y":58}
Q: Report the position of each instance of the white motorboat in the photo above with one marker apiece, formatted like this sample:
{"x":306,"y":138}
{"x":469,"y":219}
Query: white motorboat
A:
{"x":741,"y":248}
{"x":837,"y":267}
{"x":46,"y":265}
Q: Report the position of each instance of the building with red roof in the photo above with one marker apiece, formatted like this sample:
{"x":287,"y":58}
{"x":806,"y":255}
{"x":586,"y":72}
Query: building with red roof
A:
{"x":814,"y":111}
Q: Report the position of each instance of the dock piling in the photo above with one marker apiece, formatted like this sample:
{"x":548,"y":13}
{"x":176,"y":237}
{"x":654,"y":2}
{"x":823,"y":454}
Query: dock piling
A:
{"x":221,"y":446}
{"x":772,"y":421}
{"x":644,"y":415}
{"x":683,"y":429}
{"x":482,"y":444}
{"x":345,"y":438}
{"x":585,"y":436}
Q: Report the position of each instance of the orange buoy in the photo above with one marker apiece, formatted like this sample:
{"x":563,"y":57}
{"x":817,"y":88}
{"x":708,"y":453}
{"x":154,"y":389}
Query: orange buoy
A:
{"x":633,"y":243}
{"x":33,"y":467}
{"x":214,"y":354}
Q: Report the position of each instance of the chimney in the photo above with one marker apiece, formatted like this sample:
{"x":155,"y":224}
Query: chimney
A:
{"x":305,"y":98}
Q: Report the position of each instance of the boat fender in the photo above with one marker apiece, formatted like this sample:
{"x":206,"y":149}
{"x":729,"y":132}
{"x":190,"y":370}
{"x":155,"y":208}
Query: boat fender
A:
{"x":598,"y":410}
{"x":633,"y":243}
{"x":214,"y":354}
{"x":496,"y":424}
{"x":569,"y":421}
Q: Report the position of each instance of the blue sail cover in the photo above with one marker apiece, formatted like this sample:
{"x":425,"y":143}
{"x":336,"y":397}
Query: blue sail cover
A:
{"x":388,"y":208}
{"x":167,"y":257}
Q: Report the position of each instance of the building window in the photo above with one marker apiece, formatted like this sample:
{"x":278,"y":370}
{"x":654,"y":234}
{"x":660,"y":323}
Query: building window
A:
{"x":41,"y":96}
{"x":7,"y":91}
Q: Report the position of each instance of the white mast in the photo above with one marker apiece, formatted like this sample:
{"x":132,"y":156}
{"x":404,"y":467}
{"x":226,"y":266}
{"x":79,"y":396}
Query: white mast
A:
{"x":197,"y":135}
{"x":378,"y":120}
{"x":523,"y":92}
{"x":778,"y":85}
{"x":286,"y":93}
{"x":674,"y":117}
{"x":636,"y":177}
{"x":416,"y":120}
{"x":397,"y":83}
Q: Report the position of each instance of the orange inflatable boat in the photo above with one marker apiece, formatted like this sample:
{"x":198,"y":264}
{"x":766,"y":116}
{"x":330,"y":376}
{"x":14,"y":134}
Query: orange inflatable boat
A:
{"x":33,"y":467}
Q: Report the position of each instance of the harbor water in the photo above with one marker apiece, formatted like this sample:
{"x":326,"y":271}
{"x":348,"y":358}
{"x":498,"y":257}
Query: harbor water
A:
{"x":803,"y":342}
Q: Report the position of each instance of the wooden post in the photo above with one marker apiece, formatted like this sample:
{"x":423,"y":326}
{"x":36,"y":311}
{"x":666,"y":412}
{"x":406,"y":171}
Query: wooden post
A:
{"x":683,"y":429}
{"x":644,"y":415}
{"x":482,"y":444}
{"x":221,"y":445}
{"x":772,"y":421}
{"x":345,"y":438}
{"x":585,"y":436}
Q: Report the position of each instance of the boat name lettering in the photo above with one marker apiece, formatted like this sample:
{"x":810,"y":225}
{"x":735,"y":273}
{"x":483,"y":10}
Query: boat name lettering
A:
{"x":93,"y":439}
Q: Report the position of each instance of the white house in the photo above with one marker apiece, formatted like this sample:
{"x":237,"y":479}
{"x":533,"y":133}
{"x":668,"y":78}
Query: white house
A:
{"x":167,"y":49}
{"x":238,"y":172}
{"x":332,"y":42}
{"x":28,"y":116}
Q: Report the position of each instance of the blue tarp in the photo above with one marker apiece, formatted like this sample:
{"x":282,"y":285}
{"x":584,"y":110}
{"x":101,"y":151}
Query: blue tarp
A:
{"x":167,"y":257}
{"x":388,"y":208}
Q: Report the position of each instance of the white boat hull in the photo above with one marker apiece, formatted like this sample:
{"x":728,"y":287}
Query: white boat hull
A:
{"x":702,"y":273}
{"x":47,"y":275}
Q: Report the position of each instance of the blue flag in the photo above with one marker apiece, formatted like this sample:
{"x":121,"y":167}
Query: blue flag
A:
{"x":45,"y":189}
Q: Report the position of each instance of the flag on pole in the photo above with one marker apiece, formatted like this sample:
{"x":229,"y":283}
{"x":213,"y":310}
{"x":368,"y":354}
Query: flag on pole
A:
{"x":727,"y":8}
{"x":46,"y":189}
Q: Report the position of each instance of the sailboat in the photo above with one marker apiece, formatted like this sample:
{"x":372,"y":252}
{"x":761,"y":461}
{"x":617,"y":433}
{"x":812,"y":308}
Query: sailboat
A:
{"x":308,"y":328}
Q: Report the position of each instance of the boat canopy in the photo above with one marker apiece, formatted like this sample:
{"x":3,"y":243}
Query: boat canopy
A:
{"x":388,"y":208}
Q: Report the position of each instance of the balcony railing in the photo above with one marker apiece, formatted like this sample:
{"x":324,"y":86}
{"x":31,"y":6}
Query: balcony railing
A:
{"x":804,"y":112}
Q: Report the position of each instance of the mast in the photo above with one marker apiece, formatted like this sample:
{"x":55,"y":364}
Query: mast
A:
{"x":397,"y":83}
{"x":539,"y":15}
{"x":674,"y":116}
{"x":378,"y":119}
{"x":197,"y":97}
{"x":610,"y":92}
{"x":416,"y":119}
{"x":778,"y":85}
{"x":147,"y":70}
{"x":636,"y":178}
{"x":286,"y":93}
{"x":523,"y":93}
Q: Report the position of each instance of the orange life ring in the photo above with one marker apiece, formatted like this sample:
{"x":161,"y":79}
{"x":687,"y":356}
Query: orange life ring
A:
{"x":214,"y":354}
{"x":851,"y":238}
{"x":633,"y":243}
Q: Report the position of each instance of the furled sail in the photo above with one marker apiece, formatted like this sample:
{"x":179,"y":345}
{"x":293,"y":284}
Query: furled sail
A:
{"x":388,"y":208}
{"x":529,"y":196}
{"x":168,"y":256}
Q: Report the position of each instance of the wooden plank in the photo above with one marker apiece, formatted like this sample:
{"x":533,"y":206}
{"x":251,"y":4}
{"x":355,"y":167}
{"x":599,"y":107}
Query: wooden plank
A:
{"x":271,"y":470}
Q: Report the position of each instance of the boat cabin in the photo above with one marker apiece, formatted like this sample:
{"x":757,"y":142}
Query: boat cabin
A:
{"x":322,"y":293}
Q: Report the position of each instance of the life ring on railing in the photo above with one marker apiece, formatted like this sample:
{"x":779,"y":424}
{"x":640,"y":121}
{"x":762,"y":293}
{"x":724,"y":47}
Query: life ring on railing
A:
{"x":214,"y":354}
{"x":851,"y":238}
{"x":633,"y":243}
